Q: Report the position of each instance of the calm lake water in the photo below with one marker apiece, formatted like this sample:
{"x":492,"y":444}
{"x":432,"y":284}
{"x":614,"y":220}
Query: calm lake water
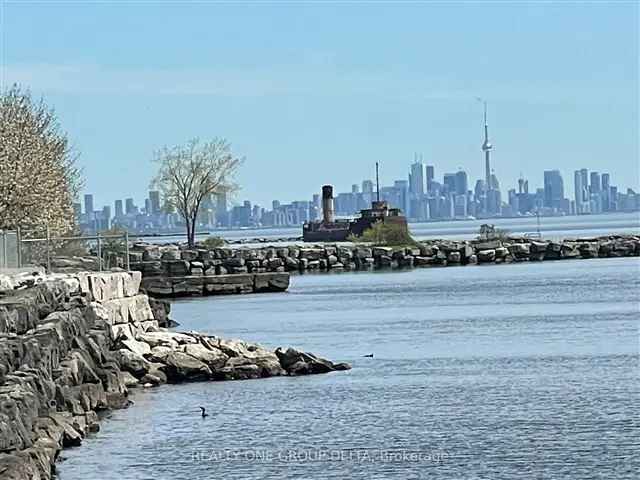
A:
{"x":551,"y":227}
{"x":489,"y":372}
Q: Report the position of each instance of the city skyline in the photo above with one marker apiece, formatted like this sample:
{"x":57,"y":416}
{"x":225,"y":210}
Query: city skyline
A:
{"x":335,"y":89}
{"x":420,"y":196}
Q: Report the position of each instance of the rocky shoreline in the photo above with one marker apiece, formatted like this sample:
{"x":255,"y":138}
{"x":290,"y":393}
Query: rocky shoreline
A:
{"x":71,"y":347}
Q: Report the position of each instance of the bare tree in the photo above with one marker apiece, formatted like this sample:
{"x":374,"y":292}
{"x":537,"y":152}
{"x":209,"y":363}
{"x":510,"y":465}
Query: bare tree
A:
{"x":38,"y":174}
{"x":190,"y":173}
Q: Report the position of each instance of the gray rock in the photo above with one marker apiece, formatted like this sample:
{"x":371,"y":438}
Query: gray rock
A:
{"x":181,"y":367}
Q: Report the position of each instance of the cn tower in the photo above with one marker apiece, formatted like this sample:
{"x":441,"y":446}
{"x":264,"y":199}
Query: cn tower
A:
{"x":486,"y":148}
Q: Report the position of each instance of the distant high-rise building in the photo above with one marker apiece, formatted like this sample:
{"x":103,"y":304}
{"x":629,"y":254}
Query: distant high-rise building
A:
{"x":606,"y":191}
{"x":402,"y":187}
{"x":416,"y":179}
{"x":118,"y":208}
{"x":595,"y":186}
{"x":584,"y":176}
{"x":449,"y":181}
{"x":129,"y":206}
{"x":355,"y":188}
{"x":105,"y":219}
{"x":147,"y":206}
{"x":241,"y":215}
{"x":88,"y":205}
{"x":578,"y":188}
{"x":462,"y":184}
{"x":460,"y":206}
{"x":222,"y":218}
{"x":367,"y":186}
{"x":430,"y":177}
{"x":553,"y":189}
{"x":154,"y":199}
{"x":77,"y":209}
{"x":480,"y":189}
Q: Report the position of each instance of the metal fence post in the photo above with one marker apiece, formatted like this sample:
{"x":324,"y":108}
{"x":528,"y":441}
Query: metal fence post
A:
{"x":126,"y":251}
{"x":5,"y":260}
{"x":19,"y":246}
{"x":48,"y":250}
{"x":3,"y":257}
{"x":99,"y":252}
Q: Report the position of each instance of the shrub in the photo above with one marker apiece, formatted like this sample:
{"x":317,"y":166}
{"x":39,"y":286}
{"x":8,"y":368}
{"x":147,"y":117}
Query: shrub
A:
{"x":213,"y":242}
{"x":385,"y":234}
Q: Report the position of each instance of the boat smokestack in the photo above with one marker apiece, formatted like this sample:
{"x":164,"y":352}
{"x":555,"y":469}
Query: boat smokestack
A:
{"x":327,"y":204}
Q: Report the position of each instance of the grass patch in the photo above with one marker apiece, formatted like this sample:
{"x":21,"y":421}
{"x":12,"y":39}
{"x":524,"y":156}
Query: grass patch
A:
{"x":213,"y":242}
{"x":385,"y":235}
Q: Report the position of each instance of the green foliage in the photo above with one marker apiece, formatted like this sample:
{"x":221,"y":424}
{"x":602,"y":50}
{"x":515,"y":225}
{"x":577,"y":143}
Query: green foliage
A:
{"x":213,"y":242}
{"x":490,"y":232}
{"x":385,"y":235}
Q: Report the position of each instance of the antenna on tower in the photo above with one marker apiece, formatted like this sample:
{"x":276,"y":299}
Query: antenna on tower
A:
{"x":377,"y":184}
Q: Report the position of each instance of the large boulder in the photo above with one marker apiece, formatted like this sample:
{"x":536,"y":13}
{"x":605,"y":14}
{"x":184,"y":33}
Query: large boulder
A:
{"x":486,"y":256}
{"x":132,"y":362}
{"x":181,"y":367}
{"x":214,"y":358}
{"x":296,"y":362}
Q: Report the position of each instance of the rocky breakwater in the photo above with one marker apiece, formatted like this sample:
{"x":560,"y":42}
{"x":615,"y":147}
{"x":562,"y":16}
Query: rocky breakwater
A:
{"x":72,"y":347}
{"x":169,"y":271}
{"x":214,"y":270}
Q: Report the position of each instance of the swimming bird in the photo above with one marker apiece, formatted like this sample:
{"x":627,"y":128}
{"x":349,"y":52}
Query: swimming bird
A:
{"x":204,"y":414}
{"x":368,"y":356}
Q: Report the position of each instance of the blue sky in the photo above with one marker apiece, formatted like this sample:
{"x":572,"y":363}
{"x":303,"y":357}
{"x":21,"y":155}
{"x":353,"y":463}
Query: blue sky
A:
{"x":316,"y":93}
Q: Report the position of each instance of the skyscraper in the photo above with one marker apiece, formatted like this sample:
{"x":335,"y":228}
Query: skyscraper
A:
{"x":416,"y":179}
{"x":402,"y":187}
{"x":584,"y":175}
{"x":154,"y":199}
{"x":88,"y":205}
{"x":105,"y":220}
{"x":462,"y":184}
{"x":606,"y":191}
{"x":367,"y":186}
{"x":578,"y":193}
{"x":129,"y":206}
{"x":222,"y":218}
{"x":119,"y":210}
{"x":449,"y":181}
{"x":553,"y":189}
{"x":594,"y":185}
{"x":430,"y":176}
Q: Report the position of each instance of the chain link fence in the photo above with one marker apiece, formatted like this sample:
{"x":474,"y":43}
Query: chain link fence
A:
{"x":74,"y":253}
{"x":9,"y":249}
